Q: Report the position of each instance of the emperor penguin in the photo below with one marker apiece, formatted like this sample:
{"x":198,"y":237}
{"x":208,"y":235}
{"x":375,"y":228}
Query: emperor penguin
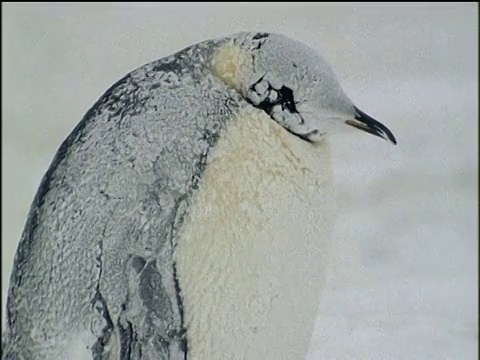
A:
{"x":188,"y":214}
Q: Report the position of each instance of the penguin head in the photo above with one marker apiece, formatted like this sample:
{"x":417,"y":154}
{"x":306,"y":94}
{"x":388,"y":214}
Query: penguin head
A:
{"x":292,"y":84}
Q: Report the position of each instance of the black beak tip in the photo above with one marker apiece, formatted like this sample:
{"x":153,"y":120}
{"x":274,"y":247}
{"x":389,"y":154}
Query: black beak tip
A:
{"x":393,"y":140}
{"x":386,"y":134}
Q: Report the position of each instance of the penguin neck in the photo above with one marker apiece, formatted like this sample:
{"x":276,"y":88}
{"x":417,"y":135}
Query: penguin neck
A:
{"x":250,"y":255}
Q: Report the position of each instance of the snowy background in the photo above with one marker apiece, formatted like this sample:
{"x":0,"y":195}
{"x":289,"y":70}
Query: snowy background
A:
{"x":402,"y":282}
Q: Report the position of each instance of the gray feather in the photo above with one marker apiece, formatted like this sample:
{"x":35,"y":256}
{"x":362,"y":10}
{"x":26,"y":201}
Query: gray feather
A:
{"x":96,"y":252}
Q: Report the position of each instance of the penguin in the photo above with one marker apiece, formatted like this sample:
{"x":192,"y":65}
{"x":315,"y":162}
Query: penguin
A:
{"x":188,"y":214}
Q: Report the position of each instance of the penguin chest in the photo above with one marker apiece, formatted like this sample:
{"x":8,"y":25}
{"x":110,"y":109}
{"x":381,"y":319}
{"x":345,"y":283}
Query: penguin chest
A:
{"x":250,"y":254}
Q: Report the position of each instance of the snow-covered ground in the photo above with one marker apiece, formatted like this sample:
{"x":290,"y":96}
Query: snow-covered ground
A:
{"x":402,"y":282}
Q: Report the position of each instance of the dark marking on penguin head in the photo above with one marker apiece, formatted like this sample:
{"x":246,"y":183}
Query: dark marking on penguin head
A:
{"x":259,"y":36}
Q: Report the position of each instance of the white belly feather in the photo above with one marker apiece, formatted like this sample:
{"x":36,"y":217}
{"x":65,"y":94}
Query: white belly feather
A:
{"x":250,"y":256}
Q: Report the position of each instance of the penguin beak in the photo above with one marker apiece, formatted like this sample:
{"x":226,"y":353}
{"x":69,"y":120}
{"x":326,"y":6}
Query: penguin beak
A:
{"x":366,"y":123}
